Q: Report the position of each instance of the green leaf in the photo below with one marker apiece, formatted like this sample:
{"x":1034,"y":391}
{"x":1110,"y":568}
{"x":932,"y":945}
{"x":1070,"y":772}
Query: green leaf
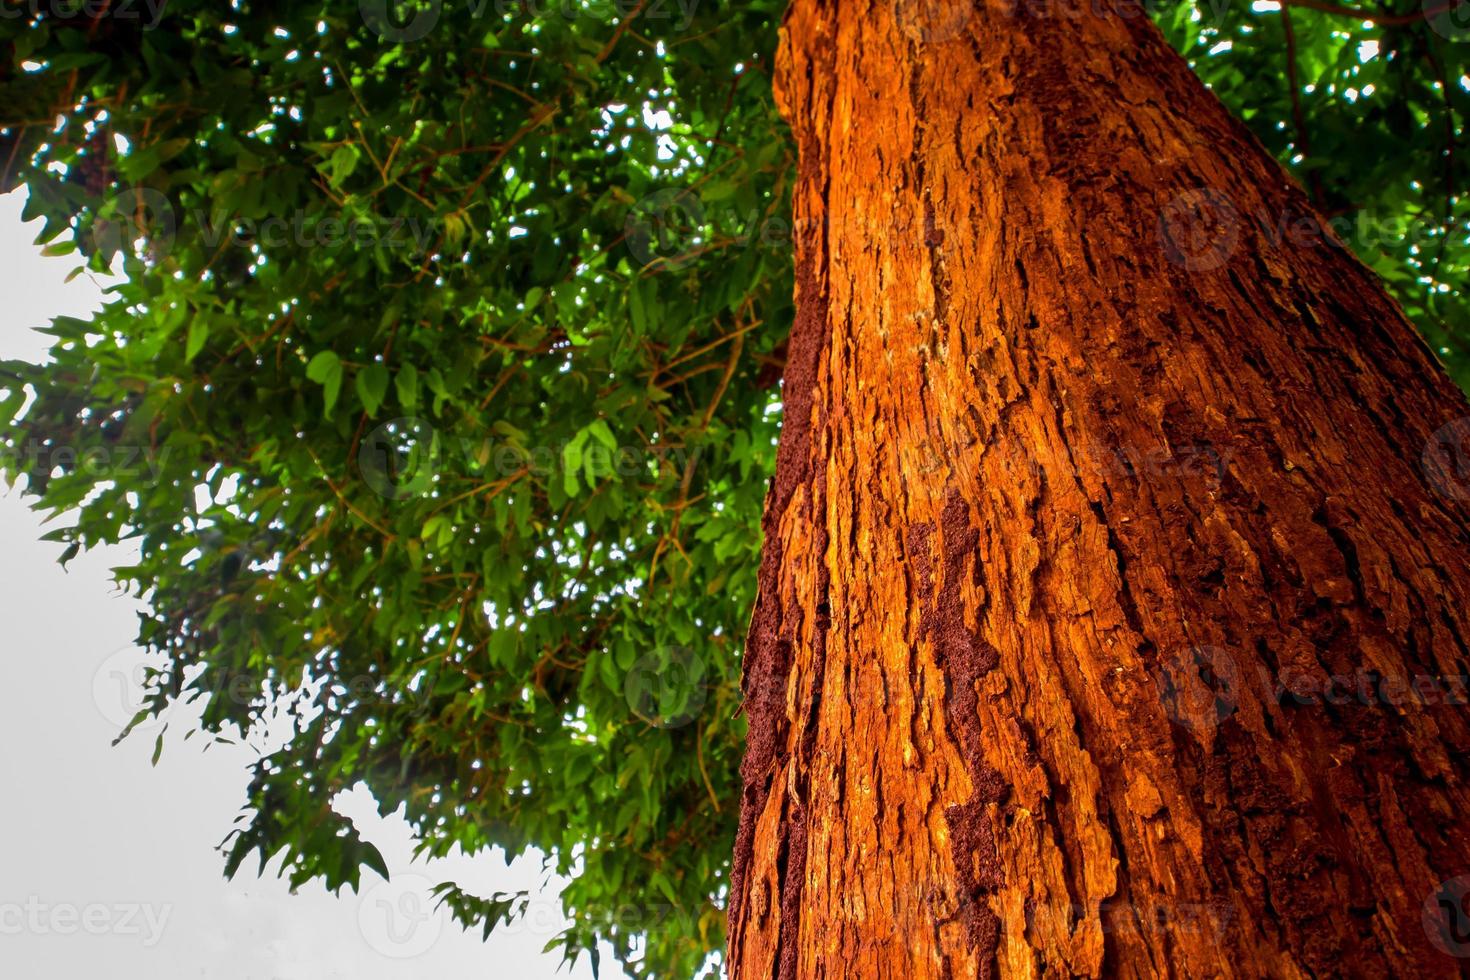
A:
{"x":406,"y":381}
{"x":326,"y":369}
{"x":10,"y":405}
{"x":637,"y":310}
{"x":343,"y":162}
{"x":372,"y":387}
{"x":198,"y":335}
{"x":599,"y":430}
{"x":373,"y":858}
{"x":323,"y":366}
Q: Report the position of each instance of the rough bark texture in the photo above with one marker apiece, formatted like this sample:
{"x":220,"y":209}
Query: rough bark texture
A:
{"x":1105,"y":590}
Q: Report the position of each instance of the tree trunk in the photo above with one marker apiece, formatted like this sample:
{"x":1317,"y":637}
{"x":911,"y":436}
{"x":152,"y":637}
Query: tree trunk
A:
{"x":1113,"y":611}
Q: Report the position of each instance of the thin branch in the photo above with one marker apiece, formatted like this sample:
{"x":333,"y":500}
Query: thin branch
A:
{"x":1299,"y":119}
{"x":618,"y":34}
{"x":699,"y":755}
{"x":709,"y":412}
{"x":389,"y":535}
{"x":1449,"y":166}
{"x":1373,"y":17}
{"x":709,"y":346}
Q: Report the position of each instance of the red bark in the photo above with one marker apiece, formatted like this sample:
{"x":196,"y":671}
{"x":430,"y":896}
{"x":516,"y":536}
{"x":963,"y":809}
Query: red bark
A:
{"x":1096,"y":493}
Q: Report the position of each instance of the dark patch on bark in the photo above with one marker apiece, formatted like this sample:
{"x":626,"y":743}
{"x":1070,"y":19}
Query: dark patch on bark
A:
{"x":774,"y":629}
{"x":964,"y":659}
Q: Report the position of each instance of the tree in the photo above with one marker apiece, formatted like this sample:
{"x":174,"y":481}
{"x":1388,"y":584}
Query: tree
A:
{"x":1016,"y":709}
{"x":441,"y":400}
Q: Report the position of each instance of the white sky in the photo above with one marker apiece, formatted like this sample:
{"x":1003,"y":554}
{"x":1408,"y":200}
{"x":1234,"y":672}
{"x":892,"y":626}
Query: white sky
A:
{"x":107,"y":865}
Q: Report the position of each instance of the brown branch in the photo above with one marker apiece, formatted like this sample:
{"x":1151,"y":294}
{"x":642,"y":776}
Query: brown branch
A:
{"x":1449,"y":164}
{"x":607,"y":49}
{"x":1299,"y":119}
{"x":388,"y":535}
{"x":20,"y":133}
{"x":1373,"y":17}
{"x":709,"y":346}
{"x":699,"y":755}
{"x":730,"y":365}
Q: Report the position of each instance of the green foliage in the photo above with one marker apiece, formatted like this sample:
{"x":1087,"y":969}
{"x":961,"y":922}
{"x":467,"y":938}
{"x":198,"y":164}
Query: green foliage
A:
{"x":1373,"y":131}
{"x":440,"y":401}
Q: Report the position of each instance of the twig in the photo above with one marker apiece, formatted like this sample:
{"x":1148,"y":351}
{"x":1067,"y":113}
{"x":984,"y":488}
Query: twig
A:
{"x":730,"y":365}
{"x":612,"y":42}
{"x":1372,"y":17}
{"x":389,"y":535}
{"x":1449,"y":165}
{"x":709,"y":346}
{"x":699,"y":754}
{"x":1293,"y":85}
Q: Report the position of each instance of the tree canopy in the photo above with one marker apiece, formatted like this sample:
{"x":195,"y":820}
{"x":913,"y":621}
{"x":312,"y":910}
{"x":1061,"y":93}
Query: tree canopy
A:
{"x":442,"y":390}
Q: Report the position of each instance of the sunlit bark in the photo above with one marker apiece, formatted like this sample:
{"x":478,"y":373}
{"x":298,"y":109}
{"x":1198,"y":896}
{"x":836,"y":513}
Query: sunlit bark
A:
{"x":1106,"y":476}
